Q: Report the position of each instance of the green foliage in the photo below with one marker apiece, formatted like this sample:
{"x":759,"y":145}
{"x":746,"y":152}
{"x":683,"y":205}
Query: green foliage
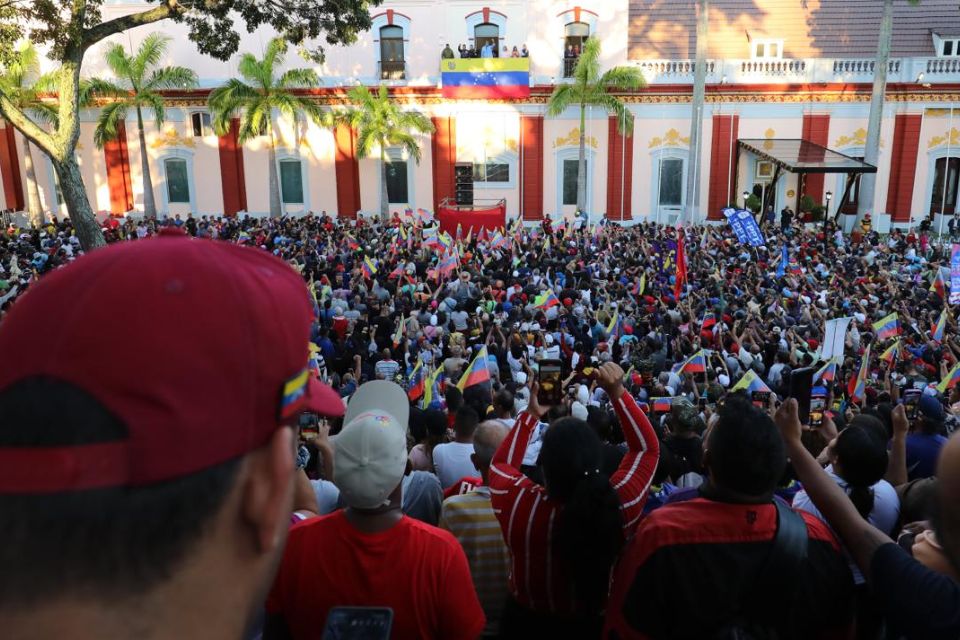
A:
{"x":260,"y":90}
{"x":590,"y":87}
{"x":753,"y":203}
{"x":22,"y":84}
{"x":816,"y":213}
{"x":137,"y":84}
{"x":807,"y":203}
{"x":381,"y":123}
{"x":68,"y":27}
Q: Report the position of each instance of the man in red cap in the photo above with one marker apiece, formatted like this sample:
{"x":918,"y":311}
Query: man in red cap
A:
{"x":148,"y":393}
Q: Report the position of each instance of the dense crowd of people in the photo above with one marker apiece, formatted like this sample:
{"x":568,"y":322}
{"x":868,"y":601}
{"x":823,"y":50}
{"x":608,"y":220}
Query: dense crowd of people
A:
{"x":652,"y":500}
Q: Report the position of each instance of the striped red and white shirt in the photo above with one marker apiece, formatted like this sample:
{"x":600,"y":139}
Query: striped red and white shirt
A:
{"x":527,"y":516}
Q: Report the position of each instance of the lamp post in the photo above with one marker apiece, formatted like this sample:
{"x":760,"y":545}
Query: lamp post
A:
{"x":826,"y":215}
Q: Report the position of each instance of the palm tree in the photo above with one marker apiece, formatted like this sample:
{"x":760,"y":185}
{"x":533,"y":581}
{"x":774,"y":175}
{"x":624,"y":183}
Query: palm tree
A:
{"x":381,"y":124}
{"x":871,"y":152}
{"x":256,"y":94}
{"x":590,"y":87}
{"x":138,"y":84}
{"x":21,"y":82}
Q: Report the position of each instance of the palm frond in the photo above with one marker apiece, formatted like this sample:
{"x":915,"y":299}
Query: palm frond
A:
{"x":623,"y":78}
{"x":275,"y":54}
{"x":409,"y":142}
{"x":563,"y":96}
{"x":298,"y":78}
{"x":148,"y":55}
{"x":624,"y":117}
{"x":171,"y":78}
{"x":155,"y":102}
{"x":251,"y":70}
{"x":108,"y":122}
{"x":588,"y":65}
{"x":119,"y":63}
{"x":98,"y":87}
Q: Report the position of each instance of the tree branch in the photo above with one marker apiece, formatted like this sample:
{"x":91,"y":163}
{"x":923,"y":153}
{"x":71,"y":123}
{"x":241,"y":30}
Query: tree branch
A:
{"x":105,"y":29}
{"x":27,"y":127}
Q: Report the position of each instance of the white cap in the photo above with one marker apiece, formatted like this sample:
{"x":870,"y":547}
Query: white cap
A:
{"x":370,"y":454}
{"x":520,"y":377}
{"x":577,"y":410}
{"x":724,"y":380}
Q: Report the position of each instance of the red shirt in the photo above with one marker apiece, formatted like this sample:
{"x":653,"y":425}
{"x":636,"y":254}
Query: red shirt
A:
{"x":417,"y":570}
{"x":538,"y":576}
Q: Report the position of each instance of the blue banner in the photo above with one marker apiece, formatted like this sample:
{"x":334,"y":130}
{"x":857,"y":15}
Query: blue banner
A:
{"x":784,"y":261}
{"x":745,"y":227}
{"x":955,"y":275}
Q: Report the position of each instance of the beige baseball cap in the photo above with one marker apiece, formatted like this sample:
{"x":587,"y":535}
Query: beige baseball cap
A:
{"x":370,"y":453}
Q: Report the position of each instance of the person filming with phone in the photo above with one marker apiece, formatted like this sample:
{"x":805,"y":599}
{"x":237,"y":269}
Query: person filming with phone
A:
{"x":564,"y":537}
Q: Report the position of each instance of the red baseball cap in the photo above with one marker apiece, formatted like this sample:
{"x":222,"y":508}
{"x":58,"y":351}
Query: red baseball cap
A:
{"x":198,"y":347}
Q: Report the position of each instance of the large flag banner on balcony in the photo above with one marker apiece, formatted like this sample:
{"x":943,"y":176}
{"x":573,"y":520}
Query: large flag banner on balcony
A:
{"x":485,"y":78}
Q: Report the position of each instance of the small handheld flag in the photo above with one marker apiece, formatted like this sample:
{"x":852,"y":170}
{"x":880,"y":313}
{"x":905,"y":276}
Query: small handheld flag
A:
{"x":892,"y":352}
{"x":418,"y":379}
{"x":951,"y":380}
{"x":697,"y":363}
{"x":477,"y":372}
{"x":887,"y":327}
{"x":827,"y":372}
{"x":431,"y":389}
{"x":369,"y":267}
{"x":547,"y":299}
{"x":750,"y":382}
{"x":856,"y":389}
{"x":939,"y":328}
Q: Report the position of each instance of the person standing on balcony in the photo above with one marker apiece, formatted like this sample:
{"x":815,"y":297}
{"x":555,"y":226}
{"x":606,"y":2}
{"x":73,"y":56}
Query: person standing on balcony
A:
{"x":447,"y":53}
{"x":464,"y":52}
{"x":486,"y":51}
{"x":515,"y":53}
{"x":523,"y":51}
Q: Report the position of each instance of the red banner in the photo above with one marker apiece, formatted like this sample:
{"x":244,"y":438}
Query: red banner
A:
{"x":483,"y":218}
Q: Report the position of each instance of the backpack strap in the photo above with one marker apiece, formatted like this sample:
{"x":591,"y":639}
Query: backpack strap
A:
{"x":790,"y":546}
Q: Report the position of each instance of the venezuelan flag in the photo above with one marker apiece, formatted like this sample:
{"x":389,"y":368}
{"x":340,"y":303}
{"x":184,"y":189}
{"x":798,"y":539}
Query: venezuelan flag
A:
{"x":641,"y":286}
{"x":827,"y":372}
{"x":612,"y":326}
{"x":477,"y":372}
{"x":888,"y":327}
{"x":547,"y":299}
{"x":369,"y":267}
{"x":352,"y":244}
{"x":697,"y":363}
{"x":951,"y":380}
{"x":750,"y":382}
{"x":892,"y":352}
{"x":485,"y":78}
{"x":857,"y":387}
{"x":939,"y":285}
{"x":661,"y":405}
{"x":940,"y":327}
{"x":431,"y":389}
{"x":709,"y":320}
{"x":418,"y":379}
{"x":293,"y":392}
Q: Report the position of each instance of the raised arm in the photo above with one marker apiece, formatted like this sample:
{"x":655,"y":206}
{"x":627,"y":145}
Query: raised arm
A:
{"x":897,"y":463}
{"x":505,"y":465}
{"x":860,"y":538}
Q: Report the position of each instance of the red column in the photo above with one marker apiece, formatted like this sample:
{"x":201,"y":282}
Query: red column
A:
{"x":10,"y":168}
{"x":118,"y":172}
{"x":903,"y":166}
{"x":816,"y":129}
{"x":619,"y":172}
{"x":443,"y":145}
{"x":232,"y":177}
{"x":348,"y":173}
{"x":531,"y":167}
{"x":726,"y":129}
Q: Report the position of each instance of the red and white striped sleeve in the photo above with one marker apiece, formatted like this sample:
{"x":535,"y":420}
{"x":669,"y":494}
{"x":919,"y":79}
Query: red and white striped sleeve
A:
{"x":506,"y":462}
{"x":632,"y":479}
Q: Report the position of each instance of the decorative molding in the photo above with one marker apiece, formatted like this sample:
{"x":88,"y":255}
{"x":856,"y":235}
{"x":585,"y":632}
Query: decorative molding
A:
{"x":856,"y":139}
{"x":671,"y":138}
{"x":937,"y":141}
{"x":170,"y":137}
{"x":572,"y":139}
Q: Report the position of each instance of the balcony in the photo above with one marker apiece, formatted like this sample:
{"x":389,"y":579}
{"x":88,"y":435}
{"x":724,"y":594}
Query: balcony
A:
{"x":392,"y":70}
{"x":810,"y":70}
{"x":569,"y":64}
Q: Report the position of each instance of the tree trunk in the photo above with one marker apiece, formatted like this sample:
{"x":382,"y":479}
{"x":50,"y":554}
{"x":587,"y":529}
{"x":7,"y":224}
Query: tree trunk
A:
{"x":78,"y":206}
{"x":276,"y":206}
{"x":34,"y":210}
{"x":696,"y":115}
{"x":871,"y":153}
{"x":582,"y":163}
{"x":384,"y":192}
{"x":149,"y":203}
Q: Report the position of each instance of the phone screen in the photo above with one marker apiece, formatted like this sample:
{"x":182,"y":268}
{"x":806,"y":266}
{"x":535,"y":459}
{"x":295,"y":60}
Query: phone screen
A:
{"x":358,"y":623}
{"x":801,"y":383}
{"x":549,"y":378}
{"x":702,"y":403}
{"x":309,"y":426}
{"x":760,"y":399}
{"x":911,"y":401}
{"x":818,"y":406}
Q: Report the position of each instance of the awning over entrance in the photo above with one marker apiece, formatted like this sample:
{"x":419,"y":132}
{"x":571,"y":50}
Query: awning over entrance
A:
{"x":801,"y":156}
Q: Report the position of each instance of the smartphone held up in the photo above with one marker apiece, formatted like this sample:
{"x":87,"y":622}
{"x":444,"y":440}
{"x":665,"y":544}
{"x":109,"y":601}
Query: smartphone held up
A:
{"x":550,"y":381}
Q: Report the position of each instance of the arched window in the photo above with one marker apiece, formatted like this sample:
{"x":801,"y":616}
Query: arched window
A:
{"x":392,"y":64}
{"x":487,"y":33}
{"x":575,"y":35}
{"x":943,"y":198}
